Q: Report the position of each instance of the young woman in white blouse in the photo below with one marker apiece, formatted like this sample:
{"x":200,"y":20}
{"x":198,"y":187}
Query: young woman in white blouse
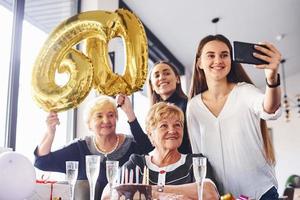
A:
{"x":226,"y":118}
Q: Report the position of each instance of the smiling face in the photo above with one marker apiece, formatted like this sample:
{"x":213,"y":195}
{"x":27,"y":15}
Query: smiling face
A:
{"x":163,"y":80}
{"x":215,"y":60}
{"x":103,"y":120}
{"x":164,"y":125}
{"x":168,"y":133}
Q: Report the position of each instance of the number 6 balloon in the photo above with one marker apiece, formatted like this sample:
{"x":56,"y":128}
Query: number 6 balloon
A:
{"x":91,"y":69}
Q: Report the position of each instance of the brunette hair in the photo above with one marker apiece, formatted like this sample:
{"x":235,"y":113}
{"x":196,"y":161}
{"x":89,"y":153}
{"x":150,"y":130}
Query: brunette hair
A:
{"x":235,"y":75}
{"x":154,"y":97}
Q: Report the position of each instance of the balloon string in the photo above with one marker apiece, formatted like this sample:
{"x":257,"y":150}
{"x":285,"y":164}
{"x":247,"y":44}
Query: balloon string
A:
{"x":51,"y":191}
{"x":46,"y":182}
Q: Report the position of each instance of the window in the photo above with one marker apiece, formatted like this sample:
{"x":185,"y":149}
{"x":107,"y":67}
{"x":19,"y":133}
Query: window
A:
{"x":31,"y":125}
{"x":5,"y":40}
{"x":40,"y":19}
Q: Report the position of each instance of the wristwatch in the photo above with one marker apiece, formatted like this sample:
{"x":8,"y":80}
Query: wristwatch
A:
{"x":274,"y":85}
{"x":160,"y":188}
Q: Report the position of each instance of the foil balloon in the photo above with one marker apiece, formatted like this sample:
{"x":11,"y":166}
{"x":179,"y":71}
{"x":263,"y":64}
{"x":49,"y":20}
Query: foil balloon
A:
{"x":89,"y":69}
{"x":127,"y":26}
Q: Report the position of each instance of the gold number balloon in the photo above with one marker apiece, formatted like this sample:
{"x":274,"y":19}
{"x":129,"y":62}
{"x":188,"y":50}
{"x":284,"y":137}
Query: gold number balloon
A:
{"x":91,"y":69}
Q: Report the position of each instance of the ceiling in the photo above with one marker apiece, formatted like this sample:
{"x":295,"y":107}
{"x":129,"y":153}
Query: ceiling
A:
{"x":46,"y":14}
{"x":180,"y":25}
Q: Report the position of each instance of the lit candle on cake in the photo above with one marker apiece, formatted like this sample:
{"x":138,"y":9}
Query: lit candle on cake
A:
{"x":137,"y":175}
{"x":131,"y":176}
{"x":126,"y":176}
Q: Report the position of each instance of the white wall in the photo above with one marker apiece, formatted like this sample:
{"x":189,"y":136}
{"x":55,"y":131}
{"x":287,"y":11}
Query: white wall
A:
{"x":108,"y":5}
{"x":286,"y":137}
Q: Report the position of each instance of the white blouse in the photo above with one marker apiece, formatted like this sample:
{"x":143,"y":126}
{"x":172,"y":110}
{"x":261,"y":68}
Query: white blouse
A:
{"x":232,"y":142}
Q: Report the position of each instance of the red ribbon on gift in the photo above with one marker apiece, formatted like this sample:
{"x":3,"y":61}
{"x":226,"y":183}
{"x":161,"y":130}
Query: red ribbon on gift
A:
{"x":46,"y":182}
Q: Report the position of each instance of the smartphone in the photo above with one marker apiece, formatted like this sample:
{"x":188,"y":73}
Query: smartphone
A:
{"x":243,"y":53}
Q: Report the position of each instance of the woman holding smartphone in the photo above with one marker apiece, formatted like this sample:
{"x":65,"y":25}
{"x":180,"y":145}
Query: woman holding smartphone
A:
{"x":226,"y":118}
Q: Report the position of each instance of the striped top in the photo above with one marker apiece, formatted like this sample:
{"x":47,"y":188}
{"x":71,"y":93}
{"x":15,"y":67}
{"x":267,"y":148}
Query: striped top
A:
{"x":178,"y":173}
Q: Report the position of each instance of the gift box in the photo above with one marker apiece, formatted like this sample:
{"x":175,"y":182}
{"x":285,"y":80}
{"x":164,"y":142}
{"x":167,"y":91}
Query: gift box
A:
{"x":49,"y":190}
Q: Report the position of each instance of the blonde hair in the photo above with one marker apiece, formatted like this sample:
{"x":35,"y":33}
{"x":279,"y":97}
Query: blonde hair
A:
{"x":97,"y":104}
{"x":161,"y":111}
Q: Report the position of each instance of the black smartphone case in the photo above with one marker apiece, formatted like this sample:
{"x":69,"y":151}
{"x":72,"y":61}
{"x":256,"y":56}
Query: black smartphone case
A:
{"x":243,"y":53}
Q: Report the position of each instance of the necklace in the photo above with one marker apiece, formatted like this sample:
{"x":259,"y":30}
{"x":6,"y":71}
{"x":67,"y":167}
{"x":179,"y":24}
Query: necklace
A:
{"x":105,"y":152}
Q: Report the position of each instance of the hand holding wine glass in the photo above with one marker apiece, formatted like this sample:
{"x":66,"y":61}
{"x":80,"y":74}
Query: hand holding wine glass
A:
{"x":71,"y":175}
{"x":92,"y":172}
{"x":199,"y":168}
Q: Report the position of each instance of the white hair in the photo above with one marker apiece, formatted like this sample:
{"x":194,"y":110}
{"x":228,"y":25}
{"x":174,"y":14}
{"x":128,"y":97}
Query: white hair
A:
{"x":96,"y":104}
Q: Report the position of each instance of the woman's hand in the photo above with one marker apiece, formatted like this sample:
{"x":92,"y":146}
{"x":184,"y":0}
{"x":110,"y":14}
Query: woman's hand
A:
{"x":210,"y":191}
{"x":124,"y":102}
{"x":52,"y":121}
{"x":272,"y":98}
{"x":273,"y":57}
{"x":168,"y":196}
{"x":44,"y":147}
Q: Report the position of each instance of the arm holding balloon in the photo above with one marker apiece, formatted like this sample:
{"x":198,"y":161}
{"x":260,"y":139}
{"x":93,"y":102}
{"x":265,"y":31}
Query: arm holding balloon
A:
{"x":139,"y":136}
{"x":52,"y":121}
{"x":124,"y":102}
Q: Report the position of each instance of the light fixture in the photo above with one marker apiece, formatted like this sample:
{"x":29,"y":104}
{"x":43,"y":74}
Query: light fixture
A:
{"x":288,"y":103}
{"x":280,"y":37}
{"x":215,"y":21}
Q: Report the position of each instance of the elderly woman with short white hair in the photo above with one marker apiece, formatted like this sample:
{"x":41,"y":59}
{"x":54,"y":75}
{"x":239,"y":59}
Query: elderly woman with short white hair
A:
{"x":101,"y":117}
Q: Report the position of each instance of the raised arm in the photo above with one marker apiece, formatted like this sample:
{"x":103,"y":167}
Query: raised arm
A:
{"x":139,"y":136}
{"x":273,"y":93}
{"x":124,"y":102}
{"x":44,"y":147}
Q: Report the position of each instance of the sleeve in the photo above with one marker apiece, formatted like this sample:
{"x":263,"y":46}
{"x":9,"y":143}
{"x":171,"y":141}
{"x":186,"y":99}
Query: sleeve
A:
{"x":55,"y":161}
{"x":185,"y":146}
{"x":140,"y":137}
{"x":193,"y":127}
{"x":255,"y":100}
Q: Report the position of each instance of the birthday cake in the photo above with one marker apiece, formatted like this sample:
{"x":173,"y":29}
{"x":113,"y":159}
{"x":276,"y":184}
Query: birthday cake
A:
{"x":133,"y":192}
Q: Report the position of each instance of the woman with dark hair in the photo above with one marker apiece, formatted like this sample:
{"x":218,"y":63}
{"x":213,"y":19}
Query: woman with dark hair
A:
{"x":226,"y":118}
{"x":163,"y":85}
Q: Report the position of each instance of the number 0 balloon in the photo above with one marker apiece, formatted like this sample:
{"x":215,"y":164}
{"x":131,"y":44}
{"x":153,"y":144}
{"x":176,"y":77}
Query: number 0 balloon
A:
{"x":89,"y":69}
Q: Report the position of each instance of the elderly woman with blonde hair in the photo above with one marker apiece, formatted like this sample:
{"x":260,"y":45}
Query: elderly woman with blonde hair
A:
{"x":169,"y":170}
{"x":101,"y":117}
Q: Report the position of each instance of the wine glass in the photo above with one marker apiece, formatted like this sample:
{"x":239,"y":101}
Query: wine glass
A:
{"x":199,"y":167}
{"x":92,"y":172}
{"x":112,"y":168}
{"x":71,"y":175}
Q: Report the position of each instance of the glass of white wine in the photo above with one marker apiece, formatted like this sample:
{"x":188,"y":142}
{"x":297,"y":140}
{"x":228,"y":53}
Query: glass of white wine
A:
{"x":71,"y":175}
{"x":199,"y":167}
{"x":92,"y":172}
{"x":112,"y":169}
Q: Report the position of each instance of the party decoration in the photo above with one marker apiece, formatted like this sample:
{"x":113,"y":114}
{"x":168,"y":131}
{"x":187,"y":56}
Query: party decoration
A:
{"x":17,"y":176}
{"x":91,"y":69}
